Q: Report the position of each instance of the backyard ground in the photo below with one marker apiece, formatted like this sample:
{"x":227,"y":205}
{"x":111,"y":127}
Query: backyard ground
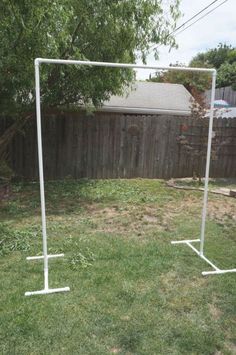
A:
{"x":132,"y":292}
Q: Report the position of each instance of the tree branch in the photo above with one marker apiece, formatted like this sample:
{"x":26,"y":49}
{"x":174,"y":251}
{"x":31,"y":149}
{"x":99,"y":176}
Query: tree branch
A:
{"x":64,"y":55}
{"x":9,"y":134}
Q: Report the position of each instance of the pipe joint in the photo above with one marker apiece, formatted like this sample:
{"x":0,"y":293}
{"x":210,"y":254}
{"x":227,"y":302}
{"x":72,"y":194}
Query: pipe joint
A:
{"x":37,"y":61}
{"x":214,"y":73}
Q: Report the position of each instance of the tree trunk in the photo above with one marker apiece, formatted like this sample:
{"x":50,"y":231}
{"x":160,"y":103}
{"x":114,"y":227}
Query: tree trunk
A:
{"x":9,"y":134}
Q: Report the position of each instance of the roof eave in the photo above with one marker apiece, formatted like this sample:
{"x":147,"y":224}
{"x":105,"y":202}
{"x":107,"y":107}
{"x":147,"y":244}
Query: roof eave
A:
{"x":144,"y":111}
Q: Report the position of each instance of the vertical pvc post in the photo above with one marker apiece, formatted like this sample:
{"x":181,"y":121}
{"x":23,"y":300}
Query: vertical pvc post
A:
{"x":41,"y":176}
{"x":208,"y":159}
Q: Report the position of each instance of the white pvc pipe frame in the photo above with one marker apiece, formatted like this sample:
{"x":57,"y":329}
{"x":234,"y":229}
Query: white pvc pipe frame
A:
{"x":46,"y":256}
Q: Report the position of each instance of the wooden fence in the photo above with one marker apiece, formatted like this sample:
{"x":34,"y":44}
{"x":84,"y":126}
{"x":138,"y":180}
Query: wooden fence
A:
{"x":225,"y":93}
{"x":114,"y":145}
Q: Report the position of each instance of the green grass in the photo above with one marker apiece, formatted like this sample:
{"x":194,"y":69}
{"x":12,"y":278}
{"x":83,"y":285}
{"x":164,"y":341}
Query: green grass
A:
{"x":132,"y":292}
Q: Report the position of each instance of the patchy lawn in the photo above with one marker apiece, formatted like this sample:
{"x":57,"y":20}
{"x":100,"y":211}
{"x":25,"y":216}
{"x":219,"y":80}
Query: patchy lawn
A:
{"x":132,"y":292}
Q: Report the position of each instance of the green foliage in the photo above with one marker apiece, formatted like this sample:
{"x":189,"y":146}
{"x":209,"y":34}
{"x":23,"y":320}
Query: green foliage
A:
{"x":192,"y":81}
{"x":223,"y":58}
{"x":101,"y":30}
{"x":216,"y":57}
{"x":227,"y":75}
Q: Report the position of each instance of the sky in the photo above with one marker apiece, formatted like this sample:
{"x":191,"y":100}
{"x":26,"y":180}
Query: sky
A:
{"x":219,"y":26}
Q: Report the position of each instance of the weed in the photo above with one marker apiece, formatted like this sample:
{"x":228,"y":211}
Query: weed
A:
{"x":81,"y":260}
{"x":14,"y":240}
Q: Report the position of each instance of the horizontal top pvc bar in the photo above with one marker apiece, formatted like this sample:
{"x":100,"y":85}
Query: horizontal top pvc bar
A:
{"x":121,"y":65}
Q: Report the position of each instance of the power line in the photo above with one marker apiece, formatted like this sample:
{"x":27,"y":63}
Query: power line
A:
{"x":197,"y":14}
{"x":197,"y":21}
{"x":200,"y":18}
{"x":191,"y":18}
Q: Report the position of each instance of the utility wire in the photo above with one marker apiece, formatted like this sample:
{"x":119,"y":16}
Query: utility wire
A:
{"x":195,"y":21}
{"x":191,"y":18}
{"x":200,"y":18}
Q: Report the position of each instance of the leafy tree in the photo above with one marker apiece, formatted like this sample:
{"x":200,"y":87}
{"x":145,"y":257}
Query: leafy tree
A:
{"x":100,"y":30}
{"x":227,"y":75}
{"x":215,"y":57}
{"x":223,"y":58}
{"x":193,"y":82}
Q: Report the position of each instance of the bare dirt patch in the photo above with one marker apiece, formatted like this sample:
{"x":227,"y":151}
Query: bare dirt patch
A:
{"x":110,"y":212}
{"x":115,"y":350}
{"x":215,"y":312}
{"x":231,"y":347}
{"x":150,"y":219}
{"x":140,"y":220}
{"x":136,"y":220}
{"x":222,"y":209}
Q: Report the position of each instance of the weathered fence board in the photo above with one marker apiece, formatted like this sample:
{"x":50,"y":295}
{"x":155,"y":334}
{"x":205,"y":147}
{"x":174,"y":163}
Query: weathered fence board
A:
{"x":107,"y":145}
{"x":226,"y":93}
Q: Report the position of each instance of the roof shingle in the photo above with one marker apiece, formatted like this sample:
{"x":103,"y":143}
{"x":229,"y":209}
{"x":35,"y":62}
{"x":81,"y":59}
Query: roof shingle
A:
{"x":150,"y":97}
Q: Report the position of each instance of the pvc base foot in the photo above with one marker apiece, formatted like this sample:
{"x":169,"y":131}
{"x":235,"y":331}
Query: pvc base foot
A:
{"x":40,"y":257}
{"x":205,"y":273}
{"x":185,"y":241}
{"x":45,"y":292}
{"x":216,"y":270}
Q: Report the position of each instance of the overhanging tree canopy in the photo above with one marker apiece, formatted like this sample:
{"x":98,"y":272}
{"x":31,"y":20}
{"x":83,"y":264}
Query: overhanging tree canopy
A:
{"x":104,"y":30}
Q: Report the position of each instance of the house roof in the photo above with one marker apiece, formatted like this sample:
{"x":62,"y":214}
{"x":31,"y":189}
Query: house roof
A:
{"x":152,"y":98}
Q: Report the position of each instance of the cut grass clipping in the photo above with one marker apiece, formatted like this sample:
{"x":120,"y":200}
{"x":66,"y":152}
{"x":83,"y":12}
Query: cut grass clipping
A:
{"x":14,"y":240}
